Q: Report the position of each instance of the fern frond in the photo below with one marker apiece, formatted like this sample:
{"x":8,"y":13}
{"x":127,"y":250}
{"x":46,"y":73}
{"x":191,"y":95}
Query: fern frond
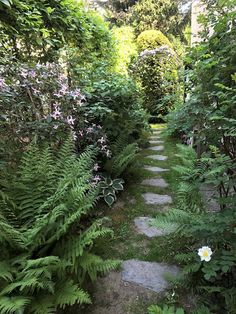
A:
{"x":12,"y":305}
{"x":69,"y":293}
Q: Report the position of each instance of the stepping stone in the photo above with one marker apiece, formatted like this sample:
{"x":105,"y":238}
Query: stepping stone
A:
{"x":161,"y":183}
{"x":156,"y":148}
{"x":157,"y":157}
{"x":155,"y":169}
{"x":143,"y":226}
{"x":156,"y":199}
{"x":155,"y":137}
{"x":156,"y":142}
{"x":149,"y":275}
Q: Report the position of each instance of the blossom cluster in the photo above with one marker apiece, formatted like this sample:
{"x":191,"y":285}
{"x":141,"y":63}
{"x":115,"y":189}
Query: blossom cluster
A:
{"x":161,"y":50}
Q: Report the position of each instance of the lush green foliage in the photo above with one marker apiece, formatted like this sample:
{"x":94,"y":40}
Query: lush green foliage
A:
{"x":126,"y":48}
{"x":157,"y":71}
{"x":59,"y":81}
{"x":115,"y":101}
{"x":154,"y":309}
{"x":161,"y":15}
{"x":201,"y":227}
{"x":38,"y":30}
{"x":152,"y":39}
{"x":46,"y":235}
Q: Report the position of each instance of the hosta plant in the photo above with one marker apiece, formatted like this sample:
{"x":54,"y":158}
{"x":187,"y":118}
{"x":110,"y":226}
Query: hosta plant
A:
{"x":109,"y":189}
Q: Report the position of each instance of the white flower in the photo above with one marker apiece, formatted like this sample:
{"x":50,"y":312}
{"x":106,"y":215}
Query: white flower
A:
{"x":205,"y":253}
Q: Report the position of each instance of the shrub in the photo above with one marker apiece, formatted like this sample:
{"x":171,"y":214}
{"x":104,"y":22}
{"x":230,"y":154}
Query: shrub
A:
{"x":46,"y":232}
{"x":126,"y":48}
{"x":115,"y":103}
{"x":157,"y":71}
{"x":152,"y":39}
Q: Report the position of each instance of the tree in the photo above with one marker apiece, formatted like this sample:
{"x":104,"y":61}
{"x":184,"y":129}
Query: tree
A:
{"x":156,"y":14}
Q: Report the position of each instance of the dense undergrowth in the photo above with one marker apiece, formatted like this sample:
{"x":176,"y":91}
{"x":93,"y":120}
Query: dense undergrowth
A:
{"x":76,"y":93}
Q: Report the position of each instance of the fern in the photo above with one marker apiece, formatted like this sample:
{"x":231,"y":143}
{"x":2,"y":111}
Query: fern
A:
{"x":10,"y":305}
{"x":124,"y":154}
{"x":45,"y":240}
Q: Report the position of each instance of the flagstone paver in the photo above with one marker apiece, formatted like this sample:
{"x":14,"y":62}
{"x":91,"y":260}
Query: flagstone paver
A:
{"x":156,"y":142}
{"x":157,"y":157}
{"x":156,"y":199}
{"x":143,"y":226}
{"x":161,"y":183}
{"x":157,"y":148}
{"x":148,"y":274}
{"x":155,"y":137}
{"x":155,"y":169}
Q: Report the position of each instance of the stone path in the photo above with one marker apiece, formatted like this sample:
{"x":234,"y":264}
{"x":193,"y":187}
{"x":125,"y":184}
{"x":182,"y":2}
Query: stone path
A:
{"x":157,"y":157}
{"x":147,"y":274}
{"x":144,"y":225}
{"x":138,"y":278}
{"x":161,"y":183}
{"x":155,"y":169}
{"x":156,"y":199}
{"x":157,"y":148}
{"x":155,"y":142}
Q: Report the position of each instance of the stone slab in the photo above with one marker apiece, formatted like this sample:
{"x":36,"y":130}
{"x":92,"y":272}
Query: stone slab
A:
{"x":156,"y":137}
{"x":160,"y":183}
{"x":156,"y":142}
{"x":156,"y":148}
{"x":149,"y":275}
{"x":156,"y":199}
{"x":143,"y":226}
{"x":155,"y":169}
{"x":157,"y":157}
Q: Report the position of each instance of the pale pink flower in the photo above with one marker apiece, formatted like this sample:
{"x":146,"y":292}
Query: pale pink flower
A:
{"x":70,"y":120}
{"x":102,"y":140}
{"x":108,"y":153}
{"x":90,"y":130}
{"x":2,"y":83}
{"x":57,"y":113}
{"x":97,"y":179}
{"x":104,"y":147}
{"x":96,"y":167}
{"x":76,"y":94}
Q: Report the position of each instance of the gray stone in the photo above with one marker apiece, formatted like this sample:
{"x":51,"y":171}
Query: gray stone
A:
{"x":143,"y":226}
{"x":156,"y":142}
{"x":148,"y":274}
{"x":156,"y":199}
{"x":161,"y":183}
{"x":157,"y":157}
{"x":210,"y":197}
{"x":156,"y":137}
{"x":155,"y":169}
{"x":157,"y":148}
